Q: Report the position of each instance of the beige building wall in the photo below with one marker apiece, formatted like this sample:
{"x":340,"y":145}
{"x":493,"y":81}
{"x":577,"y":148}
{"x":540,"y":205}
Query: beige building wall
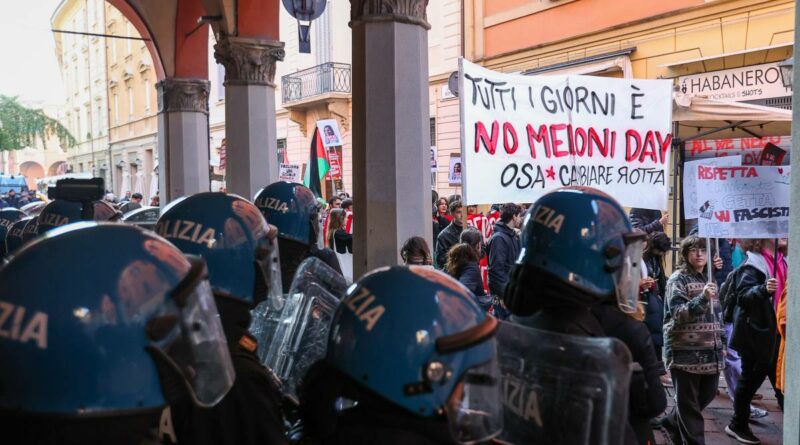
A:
{"x":81,"y":59}
{"x":132,"y":107}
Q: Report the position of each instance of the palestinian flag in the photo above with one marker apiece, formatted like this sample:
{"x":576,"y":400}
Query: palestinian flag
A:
{"x":318,"y":165}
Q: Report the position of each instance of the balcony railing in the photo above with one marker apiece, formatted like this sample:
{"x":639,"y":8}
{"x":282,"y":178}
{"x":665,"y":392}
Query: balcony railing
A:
{"x":322,"y":79}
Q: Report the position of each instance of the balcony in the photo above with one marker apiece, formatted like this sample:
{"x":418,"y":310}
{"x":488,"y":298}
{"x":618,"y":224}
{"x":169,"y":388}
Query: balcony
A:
{"x":318,"y":83}
{"x":321,"y":92}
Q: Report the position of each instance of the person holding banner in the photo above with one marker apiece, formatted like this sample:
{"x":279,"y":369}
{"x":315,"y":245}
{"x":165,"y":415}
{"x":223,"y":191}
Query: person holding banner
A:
{"x":693,"y":345}
{"x":755,"y":331}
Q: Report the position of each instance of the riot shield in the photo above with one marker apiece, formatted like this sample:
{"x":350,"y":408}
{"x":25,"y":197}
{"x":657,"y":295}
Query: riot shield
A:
{"x":291,"y":340}
{"x":562,"y":389}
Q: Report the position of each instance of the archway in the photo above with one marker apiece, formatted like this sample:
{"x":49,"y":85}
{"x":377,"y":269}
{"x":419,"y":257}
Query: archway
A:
{"x":58,"y":168}
{"x":32,"y":171}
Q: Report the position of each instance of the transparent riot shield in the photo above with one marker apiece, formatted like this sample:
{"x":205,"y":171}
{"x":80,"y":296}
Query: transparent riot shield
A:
{"x":297,"y":337}
{"x":562,"y":389}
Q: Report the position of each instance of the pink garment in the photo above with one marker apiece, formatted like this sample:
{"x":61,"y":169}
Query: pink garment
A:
{"x":780,"y":275}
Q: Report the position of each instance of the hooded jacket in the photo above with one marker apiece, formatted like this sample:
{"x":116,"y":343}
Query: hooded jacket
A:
{"x":754,"y":324}
{"x":692,"y":326}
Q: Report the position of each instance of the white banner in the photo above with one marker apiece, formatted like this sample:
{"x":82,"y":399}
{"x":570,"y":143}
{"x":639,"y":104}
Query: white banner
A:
{"x":743,"y":202}
{"x":290,"y":173}
{"x":691,"y":209}
{"x":523,"y":136}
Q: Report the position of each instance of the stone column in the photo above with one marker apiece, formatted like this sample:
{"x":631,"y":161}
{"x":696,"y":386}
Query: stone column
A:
{"x":252,"y":140}
{"x":391,"y":129}
{"x":182,"y":137}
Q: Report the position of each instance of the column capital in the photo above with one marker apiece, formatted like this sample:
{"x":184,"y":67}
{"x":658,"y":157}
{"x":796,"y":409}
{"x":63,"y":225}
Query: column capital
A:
{"x":177,"y":94}
{"x":403,"y":11}
{"x":249,"y":61}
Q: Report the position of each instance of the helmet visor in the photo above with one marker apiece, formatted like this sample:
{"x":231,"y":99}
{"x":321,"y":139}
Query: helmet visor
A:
{"x":189,"y":332}
{"x":629,"y":275}
{"x":475,"y":408}
{"x":268,"y":260}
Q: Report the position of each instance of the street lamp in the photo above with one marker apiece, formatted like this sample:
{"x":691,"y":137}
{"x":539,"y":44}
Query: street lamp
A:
{"x":787,"y":71}
{"x":305,"y":10}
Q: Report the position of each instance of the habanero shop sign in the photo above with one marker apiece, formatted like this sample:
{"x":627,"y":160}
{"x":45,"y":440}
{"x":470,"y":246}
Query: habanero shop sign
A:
{"x":738,"y":84}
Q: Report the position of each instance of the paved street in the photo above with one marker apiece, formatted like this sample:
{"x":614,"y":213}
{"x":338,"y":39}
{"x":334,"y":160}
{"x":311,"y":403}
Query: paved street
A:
{"x":769,"y":429}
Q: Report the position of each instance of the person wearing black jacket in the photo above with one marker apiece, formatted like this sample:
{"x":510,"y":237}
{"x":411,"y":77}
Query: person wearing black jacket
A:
{"x":544,"y":294}
{"x":658,"y":244}
{"x":754,"y":332}
{"x":648,"y":221}
{"x":503,"y":247}
{"x":449,"y":236}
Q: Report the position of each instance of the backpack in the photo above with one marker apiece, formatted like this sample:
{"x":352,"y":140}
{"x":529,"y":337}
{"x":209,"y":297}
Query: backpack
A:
{"x":727,"y":294}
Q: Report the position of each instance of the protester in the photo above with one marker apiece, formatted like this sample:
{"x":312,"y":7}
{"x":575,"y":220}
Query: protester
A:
{"x":503,"y":247}
{"x":693,"y":346}
{"x":415,"y":252}
{"x":347,"y":206}
{"x":125,"y":198}
{"x":134,"y":203}
{"x":780,"y":368}
{"x":442,"y":215}
{"x":449,"y":236}
{"x":154,"y":201}
{"x":755,"y":330}
{"x":338,"y":239}
{"x":648,"y":220}
{"x":655,"y":284}
{"x":463,"y":265}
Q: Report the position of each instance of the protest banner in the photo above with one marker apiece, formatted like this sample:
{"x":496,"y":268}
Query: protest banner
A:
{"x":743,"y":202}
{"x":290,"y":173}
{"x":523,"y":136}
{"x":749,"y":148}
{"x":690,"y":206}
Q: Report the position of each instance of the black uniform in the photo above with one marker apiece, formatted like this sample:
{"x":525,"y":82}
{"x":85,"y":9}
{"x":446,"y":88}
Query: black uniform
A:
{"x":647,"y":397}
{"x":372,"y":421}
{"x":251,"y":411}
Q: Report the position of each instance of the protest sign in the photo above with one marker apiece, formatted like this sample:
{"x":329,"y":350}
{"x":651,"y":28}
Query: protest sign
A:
{"x":690,"y":207}
{"x":523,"y":136}
{"x":290,"y":173}
{"x":749,"y":148}
{"x":454,"y":171}
{"x":329,"y":132}
{"x":743,"y":202}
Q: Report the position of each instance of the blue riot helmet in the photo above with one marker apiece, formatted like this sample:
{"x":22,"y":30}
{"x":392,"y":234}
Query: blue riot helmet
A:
{"x":232,"y":236}
{"x":292,"y":208}
{"x":415,"y":338}
{"x":124,"y":318}
{"x":61,"y":212}
{"x":578,"y":248}
{"x":14,"y":239}
{"x":8,"y":217}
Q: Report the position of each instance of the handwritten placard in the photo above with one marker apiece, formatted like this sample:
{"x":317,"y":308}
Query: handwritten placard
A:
{"x":526,"y":135}
{"x":690,"y":206}
{"x":743,"y":202}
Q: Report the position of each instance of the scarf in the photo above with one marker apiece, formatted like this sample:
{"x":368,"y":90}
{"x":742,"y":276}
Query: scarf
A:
{"x":780,"y":274}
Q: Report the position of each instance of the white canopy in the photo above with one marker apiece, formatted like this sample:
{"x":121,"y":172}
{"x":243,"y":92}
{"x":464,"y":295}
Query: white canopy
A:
{"x":698,"y":114}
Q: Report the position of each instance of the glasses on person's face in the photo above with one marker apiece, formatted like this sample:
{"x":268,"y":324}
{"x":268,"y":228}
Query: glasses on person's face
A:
{"x":699,"y":251}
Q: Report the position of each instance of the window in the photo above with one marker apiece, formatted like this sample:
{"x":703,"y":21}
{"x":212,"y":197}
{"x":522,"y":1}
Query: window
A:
{"x":220,"y":82}
{"x":130,"y":104}
{"x":433,"y":131}
{"x":129,"y":34}
{"x":80,"y":167}
{"x":116,"y":110}
{"x":282,"y":151}
{"x":113,"y":43}
{"x":147,"y":96}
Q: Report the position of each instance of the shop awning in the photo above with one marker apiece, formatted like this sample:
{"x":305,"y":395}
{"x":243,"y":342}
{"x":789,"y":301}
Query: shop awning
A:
{"x":699,"y":116}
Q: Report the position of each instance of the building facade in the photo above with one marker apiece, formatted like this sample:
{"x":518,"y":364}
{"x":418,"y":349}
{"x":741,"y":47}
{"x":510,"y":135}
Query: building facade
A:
{"x":132,"y":110}
{"x":82,"y":60}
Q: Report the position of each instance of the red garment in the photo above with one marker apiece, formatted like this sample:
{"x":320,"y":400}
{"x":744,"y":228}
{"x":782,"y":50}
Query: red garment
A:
{"x":479,"y":222}
{"x":446,"y":216}
{"x":492,"y":218}
{"x":484,"y":265}
{"x":348,"y":225}
{"x":780,"y":275}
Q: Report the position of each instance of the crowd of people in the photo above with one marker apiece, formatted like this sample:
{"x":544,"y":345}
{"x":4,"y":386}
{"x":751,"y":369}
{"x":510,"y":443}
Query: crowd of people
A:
{"x":571,"y":264}
{"x":15,"y":200}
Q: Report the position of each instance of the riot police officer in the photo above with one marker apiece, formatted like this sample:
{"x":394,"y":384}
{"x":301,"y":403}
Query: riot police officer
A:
{"x":234,"y":239}
{"x":578,"y":274}
{"x":94,"y":352}
{"x":293,"y":209}
{"x":411,"y":360}
{"x":8,"y":217}
{"x":61,"y":212}
{"x":14,"y":238}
